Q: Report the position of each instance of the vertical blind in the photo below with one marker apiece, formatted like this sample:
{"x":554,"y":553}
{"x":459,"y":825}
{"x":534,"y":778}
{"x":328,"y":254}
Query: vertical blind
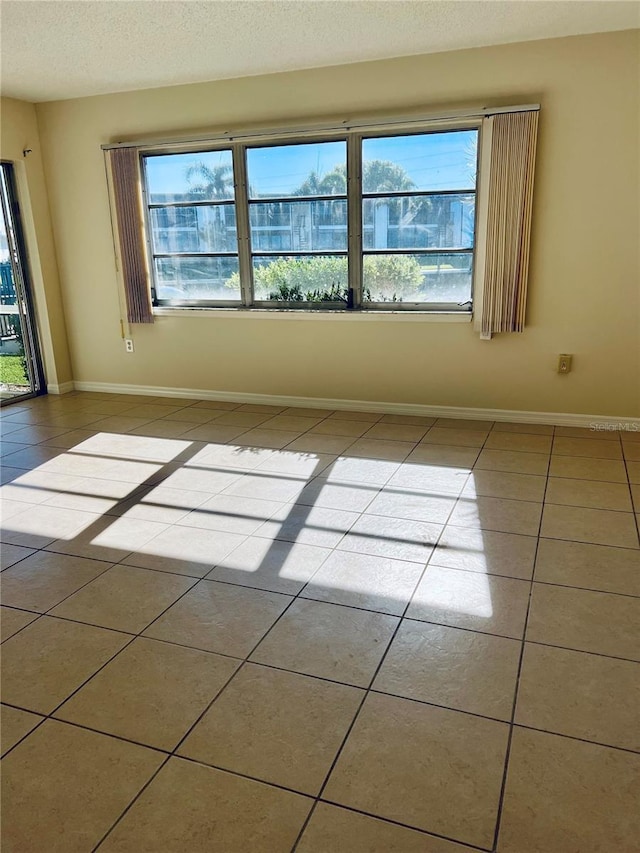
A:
{"x":125,"y":177}
{"x":504,"y":267}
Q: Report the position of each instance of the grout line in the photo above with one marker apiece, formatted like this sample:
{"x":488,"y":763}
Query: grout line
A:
{"x":364,"y":698}
{"x":507,"y":757}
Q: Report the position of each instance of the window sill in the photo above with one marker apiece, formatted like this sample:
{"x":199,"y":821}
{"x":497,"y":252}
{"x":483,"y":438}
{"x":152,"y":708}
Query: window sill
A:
{"x":309,"y":314}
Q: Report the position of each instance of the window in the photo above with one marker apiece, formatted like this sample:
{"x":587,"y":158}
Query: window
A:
{"x":192,"y":227}
{"x":352,"y":221}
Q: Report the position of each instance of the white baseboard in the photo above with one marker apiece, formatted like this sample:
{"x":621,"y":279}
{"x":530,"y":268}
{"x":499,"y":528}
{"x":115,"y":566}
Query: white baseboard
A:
{"x":515,"y":416}
{"x":62,"y":388}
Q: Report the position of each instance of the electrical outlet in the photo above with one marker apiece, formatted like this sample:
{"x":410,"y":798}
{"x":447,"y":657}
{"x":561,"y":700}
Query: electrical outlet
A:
{"x":128,"y":343}
{"x":564,"y":363}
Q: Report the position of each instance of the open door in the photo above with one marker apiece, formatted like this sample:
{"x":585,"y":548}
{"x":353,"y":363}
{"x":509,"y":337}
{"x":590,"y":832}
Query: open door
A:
{"x":20,"y":365}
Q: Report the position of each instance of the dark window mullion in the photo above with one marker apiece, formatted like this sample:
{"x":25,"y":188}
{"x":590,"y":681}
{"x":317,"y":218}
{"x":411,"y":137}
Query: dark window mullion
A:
{"x":354,"y":218}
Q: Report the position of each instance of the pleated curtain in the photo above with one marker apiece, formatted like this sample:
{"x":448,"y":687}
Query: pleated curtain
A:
{"x":504,"y":237}
{"x":125,"y":176}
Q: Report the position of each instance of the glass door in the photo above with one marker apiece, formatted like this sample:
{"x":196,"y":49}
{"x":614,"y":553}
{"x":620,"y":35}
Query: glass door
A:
{"x":20,"y":367}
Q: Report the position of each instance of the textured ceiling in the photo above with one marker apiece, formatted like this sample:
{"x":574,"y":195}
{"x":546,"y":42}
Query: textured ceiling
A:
{"x":55,"y":49}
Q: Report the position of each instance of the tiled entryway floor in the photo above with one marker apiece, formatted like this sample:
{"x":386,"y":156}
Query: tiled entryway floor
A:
{"x":246,"y":628}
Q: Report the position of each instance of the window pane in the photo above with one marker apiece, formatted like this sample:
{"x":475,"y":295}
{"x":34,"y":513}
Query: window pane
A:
{"x":302,"y":226}
{"x":318,"y":168}
{"x":198,"y":278}
{"x":431,"y":161}
{"x":419,"y":222}
{"x":417,"y":278}
{"x":194,"y":229}
{"x":301,"y":279}
{"x":202,"y":176}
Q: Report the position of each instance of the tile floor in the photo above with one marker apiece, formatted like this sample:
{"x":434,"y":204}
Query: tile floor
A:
{"x":251,"y":628}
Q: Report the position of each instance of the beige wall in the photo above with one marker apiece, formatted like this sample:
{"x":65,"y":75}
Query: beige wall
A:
{"x":584,"y":283}
{"x":19,"y":130}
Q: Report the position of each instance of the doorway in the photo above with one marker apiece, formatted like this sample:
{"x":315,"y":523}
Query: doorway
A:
{"x":21,"y":372}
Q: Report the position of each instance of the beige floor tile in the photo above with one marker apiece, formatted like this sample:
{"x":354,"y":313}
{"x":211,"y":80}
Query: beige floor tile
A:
{"x":272,"y":438}
{"x":332,"y":828}
{"x":48,"y":660}
{"x":596,"y":526}
{"x":218,"y":617}
{"x":269,"y":487}
{"x":443,"y":454}
{"x":260,"y":409}
{"x":150,"y":693}
{"x":164,"y":428}
{"x":371,"y":472}
{"x":635,"y":495}
{"x":224,"y":460}
{"x":43,"y":580}
{"x":500,"y":484}
{"x":598,"y":449}
{"x":214,"y":432}
{"x":463,"y":423}
{"x":321,"y":492}
{"x":275,"y":726}
{"x":456,"y":437}
{"x":520,"y":442}
{"x":407,"y":420}
{"x":12,"y":621}
{"x":421,"y":506}
{"x":185,"y":550}
{"x":434,"y":479}
{"x":309,"y":525}
{"x":11,"y":554}
{"x":397,"y":538}
{"x":564,"y":795}
{"x":160,"y":503}
{"x":478,"y":602}
{"x":589,"y":493}
{"x":187,"y":805}
{"x":313,"y":442}
{"x":272,"y":565}
{"x":222,"y":405}
{"x":291,"y":422}
{"x":631,"y":451}
{"x":153,"y":411}
{"x":533,"y":429}
{"x":192,"y":415}
{"x":513,"y":462}
{"x":633,"y":472}
{"x":329,"y":641}
{"x":458,"y":669}
{"x":296,"y":463}
{"x":597,"y":622}
{"x":401,"y":755}
{"x":231,"y":514}
{"x":598,"y":567}
{"x":499,"y":514}
{"x":587,"y":432}
{"x":124,"y":598}
{"x":370,"y":417}
{"x":38,"y":526}
{"x":110,"y":538}
{"x":14,"y":725}
{"x":115,"y":423}
{"x":79,"y":782}
{"x":396,"y":432}
{"x":243,"y":419}
{"x":582,"y":468}
{"x":486,"y":552}
{"x":333,"y":426}
{"x":581,"y":695}
{"x":361,"y":580}
{"x":304,"y":412}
